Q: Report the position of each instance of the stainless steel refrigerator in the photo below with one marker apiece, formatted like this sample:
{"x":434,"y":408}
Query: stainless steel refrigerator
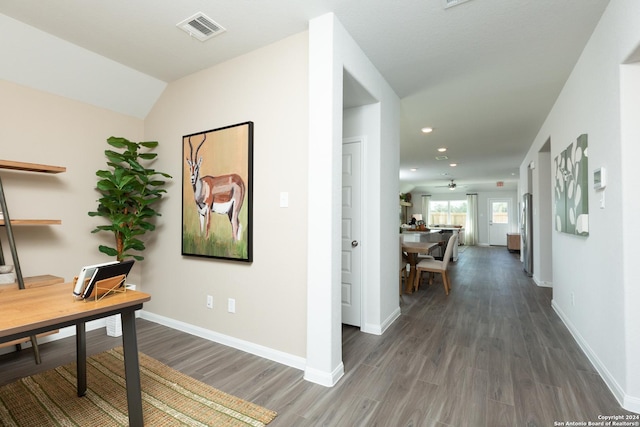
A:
{"x":526,"y":225}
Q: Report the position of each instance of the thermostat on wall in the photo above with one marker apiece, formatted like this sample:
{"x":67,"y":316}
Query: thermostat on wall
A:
{"x":599,"y":178}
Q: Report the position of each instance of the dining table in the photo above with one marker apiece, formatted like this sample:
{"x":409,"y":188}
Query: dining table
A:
{"x":412,"y":249}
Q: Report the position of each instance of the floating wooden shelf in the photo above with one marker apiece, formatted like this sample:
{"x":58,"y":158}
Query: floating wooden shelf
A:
{"x":33,"y":222}
{"x":30,"y":167}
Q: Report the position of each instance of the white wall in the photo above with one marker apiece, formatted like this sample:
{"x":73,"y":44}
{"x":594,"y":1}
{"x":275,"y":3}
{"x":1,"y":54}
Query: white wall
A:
{"x":630,"y":137}
{"x":53,"y":65}
{"x":39,"y":127}
{"x":598,"y":272}
{"x":269,"y":87}
{"x":332,"y":50}
{"x":59,"y":103}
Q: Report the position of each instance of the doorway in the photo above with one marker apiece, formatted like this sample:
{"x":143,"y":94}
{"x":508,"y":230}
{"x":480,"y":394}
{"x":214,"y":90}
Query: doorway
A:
{"x":499,"y":221}
{"x":543,"y":221}
{"x":351,"y":271}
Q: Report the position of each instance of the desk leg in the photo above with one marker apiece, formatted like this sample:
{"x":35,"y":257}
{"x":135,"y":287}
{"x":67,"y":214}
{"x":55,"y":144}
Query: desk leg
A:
{"x":81,"y":358}
{"x":132,"y":368}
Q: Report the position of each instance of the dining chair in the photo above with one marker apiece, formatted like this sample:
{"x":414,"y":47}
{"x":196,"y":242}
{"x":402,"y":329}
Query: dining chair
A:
{"x":427,"y":255}
{"x":437,"y":266}
{"x":403,"y":266}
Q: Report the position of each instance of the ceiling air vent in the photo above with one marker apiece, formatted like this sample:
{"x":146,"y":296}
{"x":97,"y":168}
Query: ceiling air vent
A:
{"x":201,"y":27}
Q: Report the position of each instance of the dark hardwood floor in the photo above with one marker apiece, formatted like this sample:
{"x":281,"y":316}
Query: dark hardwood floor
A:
{"x":492,"y":353}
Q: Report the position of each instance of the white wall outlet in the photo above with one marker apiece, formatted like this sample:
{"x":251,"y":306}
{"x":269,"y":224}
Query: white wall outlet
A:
{"x":209,"y":301}
{"x":231,"y":306}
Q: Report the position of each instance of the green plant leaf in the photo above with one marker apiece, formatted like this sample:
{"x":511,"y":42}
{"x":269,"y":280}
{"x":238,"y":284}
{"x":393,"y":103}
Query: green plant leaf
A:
{"x":117,"y":142}
{"x":107,"y":250}
{"x":149,"y":144}
{"x":104,"y":174}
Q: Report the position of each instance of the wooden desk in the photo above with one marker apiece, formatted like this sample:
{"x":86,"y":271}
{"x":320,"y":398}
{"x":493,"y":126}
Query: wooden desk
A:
{"x":36,"y":310}
{"x":413,"y":249}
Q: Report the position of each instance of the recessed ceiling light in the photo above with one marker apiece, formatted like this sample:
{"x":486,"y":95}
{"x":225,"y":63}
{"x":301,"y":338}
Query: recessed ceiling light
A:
{"x":413,"y":169}
{"x":453,"y":165}
{"x":451,"y":3}
{"x":427,"y":130}
{"x":442,"y":149}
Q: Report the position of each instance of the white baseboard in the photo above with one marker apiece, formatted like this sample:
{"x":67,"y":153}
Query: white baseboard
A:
{"x":310,"y":374}
{"x":542,"y":283}
{"x":322,"y":378}
{"x":248,"y":347}
{"x":370,"y":328}
{"x":389,"y":321}
{"x":630,"y":403}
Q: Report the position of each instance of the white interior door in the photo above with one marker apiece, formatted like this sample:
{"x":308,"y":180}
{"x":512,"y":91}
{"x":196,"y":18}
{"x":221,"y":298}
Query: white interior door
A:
{"x":351,"y":250}
{"x":499,"y":221}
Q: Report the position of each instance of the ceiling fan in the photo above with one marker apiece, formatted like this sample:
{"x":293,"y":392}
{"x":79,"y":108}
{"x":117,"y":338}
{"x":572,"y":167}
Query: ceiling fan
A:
{"x":451,"y":185}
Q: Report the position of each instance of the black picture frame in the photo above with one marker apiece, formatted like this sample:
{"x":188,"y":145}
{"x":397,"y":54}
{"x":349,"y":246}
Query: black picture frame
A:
{"x":217,"y":193}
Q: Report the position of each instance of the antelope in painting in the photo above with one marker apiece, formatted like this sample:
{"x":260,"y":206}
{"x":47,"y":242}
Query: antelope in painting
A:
{"x":222,"y":194}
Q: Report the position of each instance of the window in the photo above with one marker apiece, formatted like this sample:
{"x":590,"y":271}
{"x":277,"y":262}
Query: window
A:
{"x":447,"y":212}
{"x":500,"y":212}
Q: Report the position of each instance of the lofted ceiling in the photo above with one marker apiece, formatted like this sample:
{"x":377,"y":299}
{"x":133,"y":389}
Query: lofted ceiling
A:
{"x":484,"y":73}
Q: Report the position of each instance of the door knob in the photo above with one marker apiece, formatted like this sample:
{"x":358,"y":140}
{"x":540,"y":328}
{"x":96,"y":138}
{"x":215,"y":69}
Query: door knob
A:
{"x":354,"y":243}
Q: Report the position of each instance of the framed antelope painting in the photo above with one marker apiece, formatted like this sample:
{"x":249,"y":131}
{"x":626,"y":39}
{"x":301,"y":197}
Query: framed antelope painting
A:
{"x":217,"y":188}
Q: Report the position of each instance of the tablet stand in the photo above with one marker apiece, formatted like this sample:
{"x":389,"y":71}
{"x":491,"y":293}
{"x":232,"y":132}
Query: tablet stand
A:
{"x":104,"y":287}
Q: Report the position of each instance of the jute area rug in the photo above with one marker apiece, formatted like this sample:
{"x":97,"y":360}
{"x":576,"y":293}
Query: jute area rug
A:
{"x":169,"y":398}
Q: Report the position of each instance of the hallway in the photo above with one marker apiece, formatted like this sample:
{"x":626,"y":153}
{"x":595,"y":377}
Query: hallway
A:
{"x":492,"y":353}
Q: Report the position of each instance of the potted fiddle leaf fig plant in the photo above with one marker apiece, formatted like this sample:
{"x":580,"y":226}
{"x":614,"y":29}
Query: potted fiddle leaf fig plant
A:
{"x":129,"y":190}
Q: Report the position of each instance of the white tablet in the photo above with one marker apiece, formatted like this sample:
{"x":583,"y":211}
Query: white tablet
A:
{"x":107,"y":271}
{"x":85,"y":273}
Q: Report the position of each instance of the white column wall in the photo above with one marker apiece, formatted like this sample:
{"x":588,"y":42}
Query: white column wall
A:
{"x":324,"y":348}
{"x":630,"y":137}
{"x":332,"y":50}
